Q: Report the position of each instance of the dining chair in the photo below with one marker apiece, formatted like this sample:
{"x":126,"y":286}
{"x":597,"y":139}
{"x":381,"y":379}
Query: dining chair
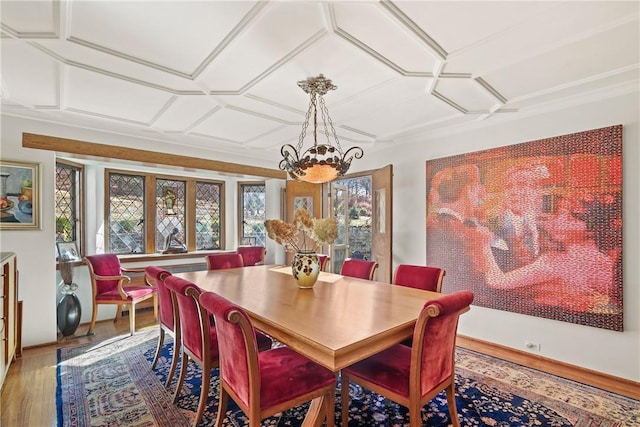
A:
{"x":263,"y":384}
{"x":419,"y":277}
{"x":412,"y":376}
{"x":224,"y":260}
{"x":252,"y":255}
{"x":324,"y":261}
{"x":109,"y":285}
{"x":358,"y":268}
{"x":168,"y":319}
{"x":199,"y":337}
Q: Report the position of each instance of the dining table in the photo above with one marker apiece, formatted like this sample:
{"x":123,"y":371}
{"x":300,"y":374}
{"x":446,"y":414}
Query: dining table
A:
{"x":339,"y":321}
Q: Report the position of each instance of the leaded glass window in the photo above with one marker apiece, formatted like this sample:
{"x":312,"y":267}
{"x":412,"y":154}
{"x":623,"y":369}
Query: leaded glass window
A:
{"x":126,"y":213}
{"x":67,"y":203}
{"x":253,"y":213}
{"x":208,"y":215}
{"x":170,"y":213}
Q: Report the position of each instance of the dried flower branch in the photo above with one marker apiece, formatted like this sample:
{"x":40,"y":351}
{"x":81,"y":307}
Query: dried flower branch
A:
{"x":304,"y":234}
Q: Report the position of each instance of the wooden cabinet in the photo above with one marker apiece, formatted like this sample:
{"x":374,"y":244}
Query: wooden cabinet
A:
{"x":8,"y":312}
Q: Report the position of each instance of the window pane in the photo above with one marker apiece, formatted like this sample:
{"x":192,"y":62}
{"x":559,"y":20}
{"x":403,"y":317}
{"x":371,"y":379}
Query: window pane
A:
{"x":253,"y":213}
{"x":67,"y":195}
{"x":208,"y":215}
{"x":170,"y":214}
{"x":126,"y":214}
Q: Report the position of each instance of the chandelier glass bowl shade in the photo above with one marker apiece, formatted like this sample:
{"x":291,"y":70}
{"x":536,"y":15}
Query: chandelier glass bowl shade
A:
{"x":322,"y":162}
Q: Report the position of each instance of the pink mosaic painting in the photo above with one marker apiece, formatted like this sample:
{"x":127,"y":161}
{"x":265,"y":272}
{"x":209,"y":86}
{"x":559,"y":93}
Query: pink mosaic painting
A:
{"x":533,"y":228}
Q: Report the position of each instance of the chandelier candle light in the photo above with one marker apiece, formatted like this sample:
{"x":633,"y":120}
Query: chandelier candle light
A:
{"x":303,"y":237}
{"x":321,"y":162}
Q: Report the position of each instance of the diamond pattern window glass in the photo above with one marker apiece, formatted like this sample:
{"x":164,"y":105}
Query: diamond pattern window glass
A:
{"x":208,"y":215}
{"x":253,"y":213}
{"x":67,"y":203}
{"x":170,"y":214}
{"x":126,"y":213}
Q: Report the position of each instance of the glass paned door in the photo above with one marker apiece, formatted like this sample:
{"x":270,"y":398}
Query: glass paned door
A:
{"x":340,"y":211}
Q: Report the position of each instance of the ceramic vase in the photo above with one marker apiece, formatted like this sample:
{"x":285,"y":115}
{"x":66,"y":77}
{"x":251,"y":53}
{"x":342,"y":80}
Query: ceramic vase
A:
{"x":305,"y":268}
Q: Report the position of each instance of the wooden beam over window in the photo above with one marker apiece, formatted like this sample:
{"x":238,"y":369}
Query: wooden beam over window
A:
{"x":72,"y":146}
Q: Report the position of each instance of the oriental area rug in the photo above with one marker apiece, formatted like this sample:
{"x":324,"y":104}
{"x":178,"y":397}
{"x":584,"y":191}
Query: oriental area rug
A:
{"x":112,"y":384}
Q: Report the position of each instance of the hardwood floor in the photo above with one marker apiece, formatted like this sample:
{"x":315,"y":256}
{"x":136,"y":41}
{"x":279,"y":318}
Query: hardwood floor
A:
{"x":29,"y":390}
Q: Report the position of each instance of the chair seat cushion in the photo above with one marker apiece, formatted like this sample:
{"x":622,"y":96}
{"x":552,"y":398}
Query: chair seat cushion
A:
{"x":135,"y":293}
{"x":289,"y":375}
{"x":388,"y":369}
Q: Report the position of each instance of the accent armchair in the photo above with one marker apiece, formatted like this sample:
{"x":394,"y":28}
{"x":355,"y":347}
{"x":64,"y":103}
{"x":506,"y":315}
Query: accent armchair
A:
{"x":109,"y":285}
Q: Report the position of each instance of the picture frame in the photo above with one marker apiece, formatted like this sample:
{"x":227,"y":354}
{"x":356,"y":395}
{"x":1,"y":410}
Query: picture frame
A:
{"x":20,"y":198}
{"x":68,"y":251}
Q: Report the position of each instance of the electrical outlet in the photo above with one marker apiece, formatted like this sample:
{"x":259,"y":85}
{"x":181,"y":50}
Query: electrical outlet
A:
{"x":532,"y":346}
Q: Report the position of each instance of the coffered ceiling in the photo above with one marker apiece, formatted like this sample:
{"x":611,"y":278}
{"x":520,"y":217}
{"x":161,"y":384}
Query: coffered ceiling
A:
{"x":222,"y":75}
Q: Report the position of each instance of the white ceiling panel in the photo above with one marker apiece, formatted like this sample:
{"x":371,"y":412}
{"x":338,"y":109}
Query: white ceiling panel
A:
{"x":236,"y":126}
{"x":118,"y":67}
{"x":96,"y":94}
{"x":222,"y":75}
{"x":176,"y":35}
{"x":184,"y":112}
{"x":575,"y":62}
{"x":31,"y":18}
{"x":369,"y":24}
{"x":273,"y":37}
{"x":28,"y":77}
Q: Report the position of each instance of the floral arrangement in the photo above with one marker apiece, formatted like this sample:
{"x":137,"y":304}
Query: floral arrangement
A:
{"x":305,"y":234}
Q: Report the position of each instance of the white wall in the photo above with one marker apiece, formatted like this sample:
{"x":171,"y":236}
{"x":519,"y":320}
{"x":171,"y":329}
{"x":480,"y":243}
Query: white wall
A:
{"x":615,"y":353}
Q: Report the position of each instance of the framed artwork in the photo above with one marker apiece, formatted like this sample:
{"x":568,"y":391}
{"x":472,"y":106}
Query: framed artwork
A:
{"x":19,"y":195}
{"x":533,"y":228}
{"x":68,"y":251}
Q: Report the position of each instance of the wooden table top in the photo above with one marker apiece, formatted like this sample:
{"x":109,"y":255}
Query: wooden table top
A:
{"x":339,"y":321}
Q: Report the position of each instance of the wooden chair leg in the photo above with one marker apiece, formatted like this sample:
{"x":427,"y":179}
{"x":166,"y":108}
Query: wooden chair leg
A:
{"x":222,"y":406}
{"x":159,"y":349}
{"x":155,"y":307}
{"x":204,"y":393}
{"x":330,"y":408}
{"x":451,"y":402}
{"x":132,"y":318}
{"x":174,"y":361}
{"x":94,"y":315}
{"x":344,"y":398}
{"x":183,"y":372}
{"x":118,"y":313}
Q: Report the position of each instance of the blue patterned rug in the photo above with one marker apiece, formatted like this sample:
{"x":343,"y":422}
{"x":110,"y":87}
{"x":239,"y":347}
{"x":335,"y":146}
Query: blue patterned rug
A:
{"x":112,"y":384}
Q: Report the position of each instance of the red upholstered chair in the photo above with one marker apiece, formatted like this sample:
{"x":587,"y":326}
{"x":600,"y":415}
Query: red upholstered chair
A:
{"x":324,"y":261}
{"x":252,"y":255}
{"x":263,"y":384}
{"x":199,"y":337}
{"x":168,"y":320}
{"x":419,"y":277}
{"x":412,"y":376}
{"x":109,"y":285}
{"x":224,"y":260}
{"x":358,"y":268}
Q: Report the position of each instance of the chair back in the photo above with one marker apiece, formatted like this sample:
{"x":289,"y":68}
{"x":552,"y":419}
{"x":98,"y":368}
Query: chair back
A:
{"x":103,"y":265}
{"x":358,"y":268}
{"x":157,"y":277}
{"x":193,"y":319}
{"x":238,"y":348}
{"x":419,"y":277}
{"x":434,"y":340}
{"x":252,"y":255}
{"x":323,"y":259}
{"x":224,"y":260}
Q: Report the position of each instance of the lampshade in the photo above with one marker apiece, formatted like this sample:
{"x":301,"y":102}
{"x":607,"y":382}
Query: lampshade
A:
{"x":321,"y":162}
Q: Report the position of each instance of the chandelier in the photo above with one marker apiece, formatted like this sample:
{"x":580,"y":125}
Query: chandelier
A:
{"x":320,"y":162}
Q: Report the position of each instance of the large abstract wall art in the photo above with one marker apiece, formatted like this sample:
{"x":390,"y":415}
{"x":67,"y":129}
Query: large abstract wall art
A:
{"x":533,"y":228}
